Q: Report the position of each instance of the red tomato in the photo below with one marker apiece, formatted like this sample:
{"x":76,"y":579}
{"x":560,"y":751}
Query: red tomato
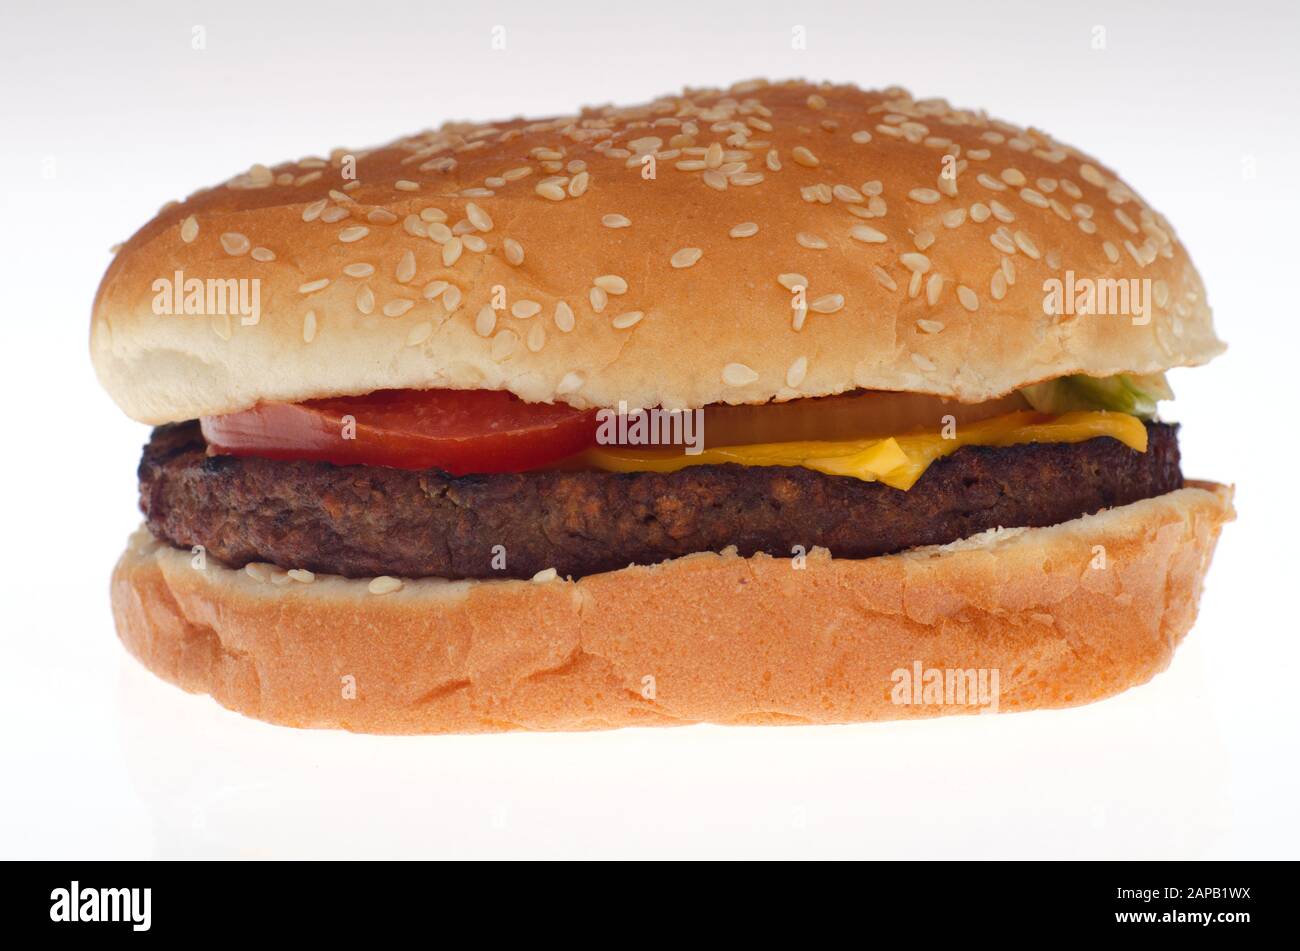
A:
{"x":458,"y":431}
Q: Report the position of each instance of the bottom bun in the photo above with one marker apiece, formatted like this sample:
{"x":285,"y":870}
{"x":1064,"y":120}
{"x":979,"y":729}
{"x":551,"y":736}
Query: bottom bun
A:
{"x":1013,"y":619}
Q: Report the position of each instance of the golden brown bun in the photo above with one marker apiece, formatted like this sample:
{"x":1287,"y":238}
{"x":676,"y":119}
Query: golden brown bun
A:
{"x":725,"y":639}
{"x":718,"y":331}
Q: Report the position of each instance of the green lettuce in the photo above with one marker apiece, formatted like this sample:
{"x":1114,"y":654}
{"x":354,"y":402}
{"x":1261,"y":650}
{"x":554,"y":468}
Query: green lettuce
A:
{"x":1127,"y":393}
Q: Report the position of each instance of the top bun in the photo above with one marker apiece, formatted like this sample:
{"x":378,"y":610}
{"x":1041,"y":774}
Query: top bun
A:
{"x":925,"y":234}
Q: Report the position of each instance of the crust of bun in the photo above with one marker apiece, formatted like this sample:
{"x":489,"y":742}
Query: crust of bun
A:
{"x":706,"y":638}
{"x":792,"y":159}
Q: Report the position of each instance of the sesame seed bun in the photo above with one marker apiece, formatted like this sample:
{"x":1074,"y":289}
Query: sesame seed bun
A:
{"x":671,"y":291}
{"x":705,"y":638}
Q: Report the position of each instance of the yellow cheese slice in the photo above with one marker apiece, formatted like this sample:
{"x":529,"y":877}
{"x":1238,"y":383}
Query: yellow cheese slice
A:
{"x":897,"y":461}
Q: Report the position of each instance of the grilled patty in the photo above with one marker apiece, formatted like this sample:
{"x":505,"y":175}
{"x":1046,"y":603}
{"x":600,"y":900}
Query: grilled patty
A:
{"x":361,"y":521}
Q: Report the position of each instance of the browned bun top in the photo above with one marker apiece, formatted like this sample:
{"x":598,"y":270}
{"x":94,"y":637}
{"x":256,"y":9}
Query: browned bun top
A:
{"x":925,"y":235}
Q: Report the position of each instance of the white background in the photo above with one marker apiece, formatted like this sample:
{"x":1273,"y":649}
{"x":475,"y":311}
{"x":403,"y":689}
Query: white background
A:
{"x":108,"y":112}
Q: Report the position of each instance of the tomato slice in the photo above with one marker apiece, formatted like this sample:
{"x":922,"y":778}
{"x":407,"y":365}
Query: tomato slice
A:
{"x":458,"y":431}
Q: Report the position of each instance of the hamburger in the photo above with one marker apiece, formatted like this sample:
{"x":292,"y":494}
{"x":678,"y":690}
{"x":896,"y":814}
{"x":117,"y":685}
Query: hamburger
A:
{"x":784,"y":403}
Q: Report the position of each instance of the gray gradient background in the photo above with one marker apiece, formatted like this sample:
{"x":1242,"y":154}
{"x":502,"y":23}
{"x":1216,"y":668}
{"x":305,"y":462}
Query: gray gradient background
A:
{"x":1194,"y":103}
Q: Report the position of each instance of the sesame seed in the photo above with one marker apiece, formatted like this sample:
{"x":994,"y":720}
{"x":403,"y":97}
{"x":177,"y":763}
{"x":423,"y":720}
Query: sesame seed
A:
{"x":514,"y":251}
{"x":396,"y":308}
{"x":433,"y":214}
{"x":451,"y":251}
{"x":365,"y":299}
{"x":792,"y":281}
{"x":795,"y":375}
{"x":968,"y":298}
{"x":473,"y":242}
{"x":1013,"y":176}
{"x":312,"y":286}
{"x":811,"y":241}
{"x":623,"y":321}
{"x":737,"y":374}
{"x":1090,"y":175}
{"x":923,"y":239}
{"x":988,"y":181}
{"x":954,"y":218}
{"x":451,"y":298}
{"x":569,"y":383}
{"x":616,"y":221}
{"x":486,"y":321}
{"x":434,"y":289}
{"x":1112,"y":252}
{"x":861,"y":137}
{"x":262,"y":254}
{"x":917,"y":263}
{"x":686,"y":257}
{"x":804,"y":157}
{"x":438,"y":232}
{"x":550,"y":190}
{"x":926,"y":196}
{"x":419,"y":333}
{"x":313,"y":211}
{"x":189,"y":229}
{"x":1029,"y":196}
{"x":933,"y":288}
{"x":301,"y":575}
{"x":867,"y":234}
{"x":381,"y":216}
{"x":929,"y":326}
{"x":1001,"y":211}
{"x":384,"y":584}
{"x":405,"y":185}
{"x":354,"y":233}
{"x":309,"y":326}
{"x":979,"y":212}
{"x":258,"y":571}
{"x":1026,"y":244}
{"x":578,"y":184}
{"x":234,"y":243}
{"x":599,"y":298}
{"x":883,"y":278}
{"x":746,"y":229}
{"x":998,"y":285}
{"x":1002,"y":241}
{"x":715,"y":180}
{"x":611,"y":283}
{"x":847,"y":193}
{"x":545,"y":575}
{"x":827,"y":304}
{"x":563,"y":317}
{"x":406,"y":267}
{"x":524,"y":309}
{"x":924,"y":363}
{"x":479,"y":218}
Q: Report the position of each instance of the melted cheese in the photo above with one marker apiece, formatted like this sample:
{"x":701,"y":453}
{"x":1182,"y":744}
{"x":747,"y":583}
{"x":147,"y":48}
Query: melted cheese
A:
{"x":897,"y":461}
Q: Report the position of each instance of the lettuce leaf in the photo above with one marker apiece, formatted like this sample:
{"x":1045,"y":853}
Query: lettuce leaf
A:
{"x":1136,"y":394}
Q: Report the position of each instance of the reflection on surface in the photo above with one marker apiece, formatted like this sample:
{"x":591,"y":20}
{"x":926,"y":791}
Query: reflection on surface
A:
{"x":1055,"y":784}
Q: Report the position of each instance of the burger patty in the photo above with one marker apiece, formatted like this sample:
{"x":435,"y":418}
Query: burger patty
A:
{"x":362,"y":521}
